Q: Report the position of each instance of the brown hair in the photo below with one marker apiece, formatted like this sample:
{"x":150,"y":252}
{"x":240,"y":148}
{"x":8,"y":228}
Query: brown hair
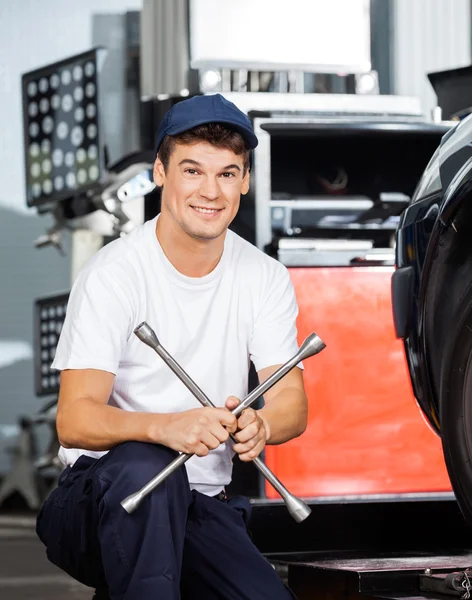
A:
{"x":217,"y":134}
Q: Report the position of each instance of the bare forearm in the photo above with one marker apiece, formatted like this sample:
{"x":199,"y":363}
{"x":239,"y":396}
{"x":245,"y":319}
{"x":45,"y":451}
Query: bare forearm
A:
{"x":90,"y":425}
{"x":286,"y":415}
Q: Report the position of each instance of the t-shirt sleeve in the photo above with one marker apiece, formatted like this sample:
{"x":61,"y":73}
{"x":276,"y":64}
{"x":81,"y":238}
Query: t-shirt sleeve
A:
{"x":274,"y":339}
{"x":97,"y":325}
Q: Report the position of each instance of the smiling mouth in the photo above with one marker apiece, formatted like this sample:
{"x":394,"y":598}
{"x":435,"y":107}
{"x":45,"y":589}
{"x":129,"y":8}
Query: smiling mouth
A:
{"x":207,"y":211}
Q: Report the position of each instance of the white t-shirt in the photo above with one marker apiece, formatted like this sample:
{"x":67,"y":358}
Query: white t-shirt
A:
{"x":245,"y":309}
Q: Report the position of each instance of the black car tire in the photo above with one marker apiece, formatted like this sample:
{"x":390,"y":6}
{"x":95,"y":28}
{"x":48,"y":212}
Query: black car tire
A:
{"x":456,"y":406}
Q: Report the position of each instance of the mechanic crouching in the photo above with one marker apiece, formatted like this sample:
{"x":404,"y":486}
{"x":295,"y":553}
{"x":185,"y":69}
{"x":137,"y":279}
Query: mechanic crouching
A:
{"x":216,"y":302}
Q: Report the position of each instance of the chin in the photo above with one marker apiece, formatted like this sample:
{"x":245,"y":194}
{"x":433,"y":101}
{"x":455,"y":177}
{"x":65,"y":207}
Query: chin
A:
{"x":202,"y":234}
{"x":209,"y":231}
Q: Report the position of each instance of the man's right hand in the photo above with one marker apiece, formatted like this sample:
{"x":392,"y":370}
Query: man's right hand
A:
{"x":199,"y":430}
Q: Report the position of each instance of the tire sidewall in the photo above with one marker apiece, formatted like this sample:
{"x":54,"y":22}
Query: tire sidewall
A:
{"x":455,"y":411}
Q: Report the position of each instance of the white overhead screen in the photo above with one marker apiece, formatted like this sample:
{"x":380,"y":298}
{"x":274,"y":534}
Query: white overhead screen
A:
{"x":310,"y":35}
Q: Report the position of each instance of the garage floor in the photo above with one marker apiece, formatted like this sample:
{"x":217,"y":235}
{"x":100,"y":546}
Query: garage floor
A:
{"x":25,"y":571}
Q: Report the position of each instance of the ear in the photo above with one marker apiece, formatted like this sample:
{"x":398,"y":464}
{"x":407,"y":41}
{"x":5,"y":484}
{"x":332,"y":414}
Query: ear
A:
{"x":159,"y":173}
{"x":245,"y":184}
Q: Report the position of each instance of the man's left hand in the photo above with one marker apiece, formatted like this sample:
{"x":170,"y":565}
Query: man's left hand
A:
{"x":252,"y":434}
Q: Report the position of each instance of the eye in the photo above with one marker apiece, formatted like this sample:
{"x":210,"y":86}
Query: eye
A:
{"x":191,"y":171}
{"x":228,"y":175}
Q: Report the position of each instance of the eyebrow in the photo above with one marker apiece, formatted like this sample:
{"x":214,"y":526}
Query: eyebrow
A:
{"x":190,"y":161}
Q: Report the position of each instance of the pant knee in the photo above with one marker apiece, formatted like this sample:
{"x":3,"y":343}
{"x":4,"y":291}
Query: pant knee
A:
{"x":131,"y":465}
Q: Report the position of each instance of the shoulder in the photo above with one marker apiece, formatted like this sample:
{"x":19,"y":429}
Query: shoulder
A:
{"x":253,"y":262}
{"x":116,"y":265}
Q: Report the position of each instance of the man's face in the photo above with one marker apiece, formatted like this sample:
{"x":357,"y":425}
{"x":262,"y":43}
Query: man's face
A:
{"x":202,"y":188}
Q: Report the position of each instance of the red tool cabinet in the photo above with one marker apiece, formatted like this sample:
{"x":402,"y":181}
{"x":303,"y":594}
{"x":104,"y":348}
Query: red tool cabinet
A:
{"x":365,"y":433}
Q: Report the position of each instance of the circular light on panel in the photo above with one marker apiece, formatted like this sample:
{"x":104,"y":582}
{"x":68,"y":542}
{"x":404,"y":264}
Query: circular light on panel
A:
{"x":91,"y":111}
{"x":58,"y":183}
{"x":47,"y":186}
{"x":47,"y":166}
{"x":81,"y":176}
{"x":77,"y":73}
{"x":44,"y":105}
{"x":69,"y":159}
{"x":34,"y":150}
{"x":210,"y":80}
{"x":79,"y":94}
{"x":92,"y":152}
{"x":43,"y":85}
{"x":79,"y":114}
{"x":77,"y":135}
{"x":33,"y":129}
{"x":32,"y":109}
{"x":57,"y":157}
{"x":67,"y":103}
{"x":62,"y":130}
{"x":93,"y":172}
{"x":36,"y":190}
{"x":90,"y":90}
{"x":54,"y":81}
{"x":91,"y":131}
{"x":55,"y":101}
{"x":367,"y":83}
{"x":48,"y":125}
{"x":70,"y":180}
{"x":46,"y":146}
{"x":81,"y":155}
{"x":32,"y":89}
{"x":66,"y":77}
{"x":89,"y":69}
{"x":35,"y":170}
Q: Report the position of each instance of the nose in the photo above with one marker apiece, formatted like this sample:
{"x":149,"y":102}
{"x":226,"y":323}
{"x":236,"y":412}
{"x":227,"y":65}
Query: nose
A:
{"x":209,"y":188}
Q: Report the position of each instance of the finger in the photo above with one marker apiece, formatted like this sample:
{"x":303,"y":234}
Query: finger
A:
{"x":227,"y":419}
{"x":248,"y":416}
{"x":252,"y":454}
{"x":220,"y":432}
{"x":251,"y":431}
{"x":232,"y":402}
{"x":210,"y":440}
{"x":246,"y":447}
{"x":200,"y":450}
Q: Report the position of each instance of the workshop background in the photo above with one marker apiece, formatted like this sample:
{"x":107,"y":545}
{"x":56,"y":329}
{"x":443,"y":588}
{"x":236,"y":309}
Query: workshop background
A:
{"x":407,"y":40}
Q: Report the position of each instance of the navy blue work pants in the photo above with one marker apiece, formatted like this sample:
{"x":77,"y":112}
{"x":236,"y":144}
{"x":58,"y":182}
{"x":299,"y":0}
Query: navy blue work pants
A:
{"x":177,"y":544}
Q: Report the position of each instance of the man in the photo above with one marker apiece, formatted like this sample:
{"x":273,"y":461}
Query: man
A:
{"x":216,"y":302}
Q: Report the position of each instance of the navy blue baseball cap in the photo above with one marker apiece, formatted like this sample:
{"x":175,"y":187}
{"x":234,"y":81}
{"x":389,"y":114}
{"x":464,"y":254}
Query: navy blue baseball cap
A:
{"x":198,"y":110}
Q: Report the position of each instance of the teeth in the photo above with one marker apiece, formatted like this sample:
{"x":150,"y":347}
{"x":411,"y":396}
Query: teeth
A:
{"x":207,"y":211}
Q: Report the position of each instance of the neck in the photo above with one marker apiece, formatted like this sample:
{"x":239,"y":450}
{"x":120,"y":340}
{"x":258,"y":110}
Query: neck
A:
{"x":190,"y":256}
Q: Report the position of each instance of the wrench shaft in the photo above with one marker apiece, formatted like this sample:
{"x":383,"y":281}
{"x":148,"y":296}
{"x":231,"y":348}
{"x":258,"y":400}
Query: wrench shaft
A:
{"x":311,"y":346}
{"x":205,"y":401}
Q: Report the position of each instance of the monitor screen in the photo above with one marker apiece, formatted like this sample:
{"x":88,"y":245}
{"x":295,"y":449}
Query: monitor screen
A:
{"x":314,"y":36}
